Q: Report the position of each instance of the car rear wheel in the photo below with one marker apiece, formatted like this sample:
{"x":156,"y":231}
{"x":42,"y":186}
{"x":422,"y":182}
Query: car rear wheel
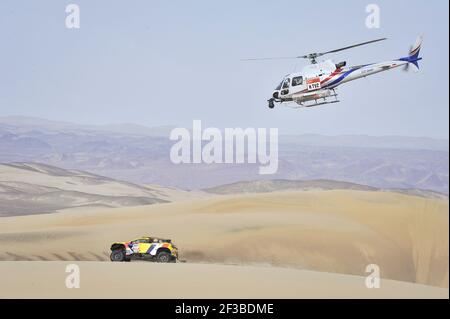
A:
{"x":117,"y":255}
{"x":163,"y":257}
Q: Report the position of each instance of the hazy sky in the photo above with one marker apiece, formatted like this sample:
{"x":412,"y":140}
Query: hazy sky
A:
{"x":169,"y":62}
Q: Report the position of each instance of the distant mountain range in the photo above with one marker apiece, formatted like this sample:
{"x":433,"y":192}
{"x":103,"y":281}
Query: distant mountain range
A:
{"x":22,"y":124}
{"x":140,"y":155}
{"x":278,"y":185}
{"x":284,"y":185}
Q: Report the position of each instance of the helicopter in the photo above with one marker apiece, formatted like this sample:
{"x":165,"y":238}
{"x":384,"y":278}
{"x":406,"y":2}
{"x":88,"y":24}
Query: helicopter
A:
{"x":317,"y":82}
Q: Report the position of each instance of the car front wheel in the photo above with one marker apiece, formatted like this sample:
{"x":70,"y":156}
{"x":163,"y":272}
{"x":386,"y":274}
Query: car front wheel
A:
{"x":163,"y":257}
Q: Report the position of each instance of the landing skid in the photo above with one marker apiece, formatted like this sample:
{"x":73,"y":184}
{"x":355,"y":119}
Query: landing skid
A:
{"x":299,"y":105}
{"x":316,"y":103}
{"x":296,"y":104}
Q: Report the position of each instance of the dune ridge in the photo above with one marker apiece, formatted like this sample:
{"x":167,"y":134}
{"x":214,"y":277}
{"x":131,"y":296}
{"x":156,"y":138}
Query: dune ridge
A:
{"x":32,"y":188}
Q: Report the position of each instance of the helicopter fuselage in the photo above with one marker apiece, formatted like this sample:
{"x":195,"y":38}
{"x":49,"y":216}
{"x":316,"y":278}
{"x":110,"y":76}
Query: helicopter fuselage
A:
{"x":318,"y":81}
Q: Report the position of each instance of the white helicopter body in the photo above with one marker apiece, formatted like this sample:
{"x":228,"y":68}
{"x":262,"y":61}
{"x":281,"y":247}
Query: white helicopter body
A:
{"x":317,"y":82}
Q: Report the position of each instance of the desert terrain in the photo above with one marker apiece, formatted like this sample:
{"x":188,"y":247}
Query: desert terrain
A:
{"x":214,"y":127}
{"x":290,"y":244}
{"x":44,"y":279}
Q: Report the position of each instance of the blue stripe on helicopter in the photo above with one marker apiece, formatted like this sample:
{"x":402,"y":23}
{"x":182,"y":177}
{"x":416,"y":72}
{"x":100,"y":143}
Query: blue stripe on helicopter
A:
{"x":343,"y":76}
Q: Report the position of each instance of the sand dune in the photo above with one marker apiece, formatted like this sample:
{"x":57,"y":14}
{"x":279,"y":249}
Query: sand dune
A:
{"x":150,"y":280}
{"x":330,"y":231}
{"x":30,"y":188}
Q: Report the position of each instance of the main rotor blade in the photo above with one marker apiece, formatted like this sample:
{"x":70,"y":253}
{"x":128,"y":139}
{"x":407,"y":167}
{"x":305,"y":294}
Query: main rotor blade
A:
{"x":351,"y":46}
{"x":313,"y":55}
{"x":272,"y":58}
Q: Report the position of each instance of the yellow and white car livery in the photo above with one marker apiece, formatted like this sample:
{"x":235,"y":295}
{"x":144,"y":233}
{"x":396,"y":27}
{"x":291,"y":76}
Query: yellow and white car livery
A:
{"x":146,"y":247}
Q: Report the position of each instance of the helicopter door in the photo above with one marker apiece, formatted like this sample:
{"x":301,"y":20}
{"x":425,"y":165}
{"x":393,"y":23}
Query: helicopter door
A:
{"x":297,"y":82}
{"x":285,"y":86}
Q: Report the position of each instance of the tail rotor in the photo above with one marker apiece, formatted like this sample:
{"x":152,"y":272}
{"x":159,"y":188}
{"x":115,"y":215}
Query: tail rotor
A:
{"x":413,"y":57}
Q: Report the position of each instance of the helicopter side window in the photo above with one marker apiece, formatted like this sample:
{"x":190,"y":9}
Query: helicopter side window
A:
{"x":297,"y":81}
{"x":286,"y":83}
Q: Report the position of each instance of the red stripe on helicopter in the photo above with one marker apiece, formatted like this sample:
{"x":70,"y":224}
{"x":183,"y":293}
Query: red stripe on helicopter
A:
{"x":314,"y":80}
{"x":337,"y":71}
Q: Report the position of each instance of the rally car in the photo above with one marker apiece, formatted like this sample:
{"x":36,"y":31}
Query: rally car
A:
{"x":150,"y":248}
